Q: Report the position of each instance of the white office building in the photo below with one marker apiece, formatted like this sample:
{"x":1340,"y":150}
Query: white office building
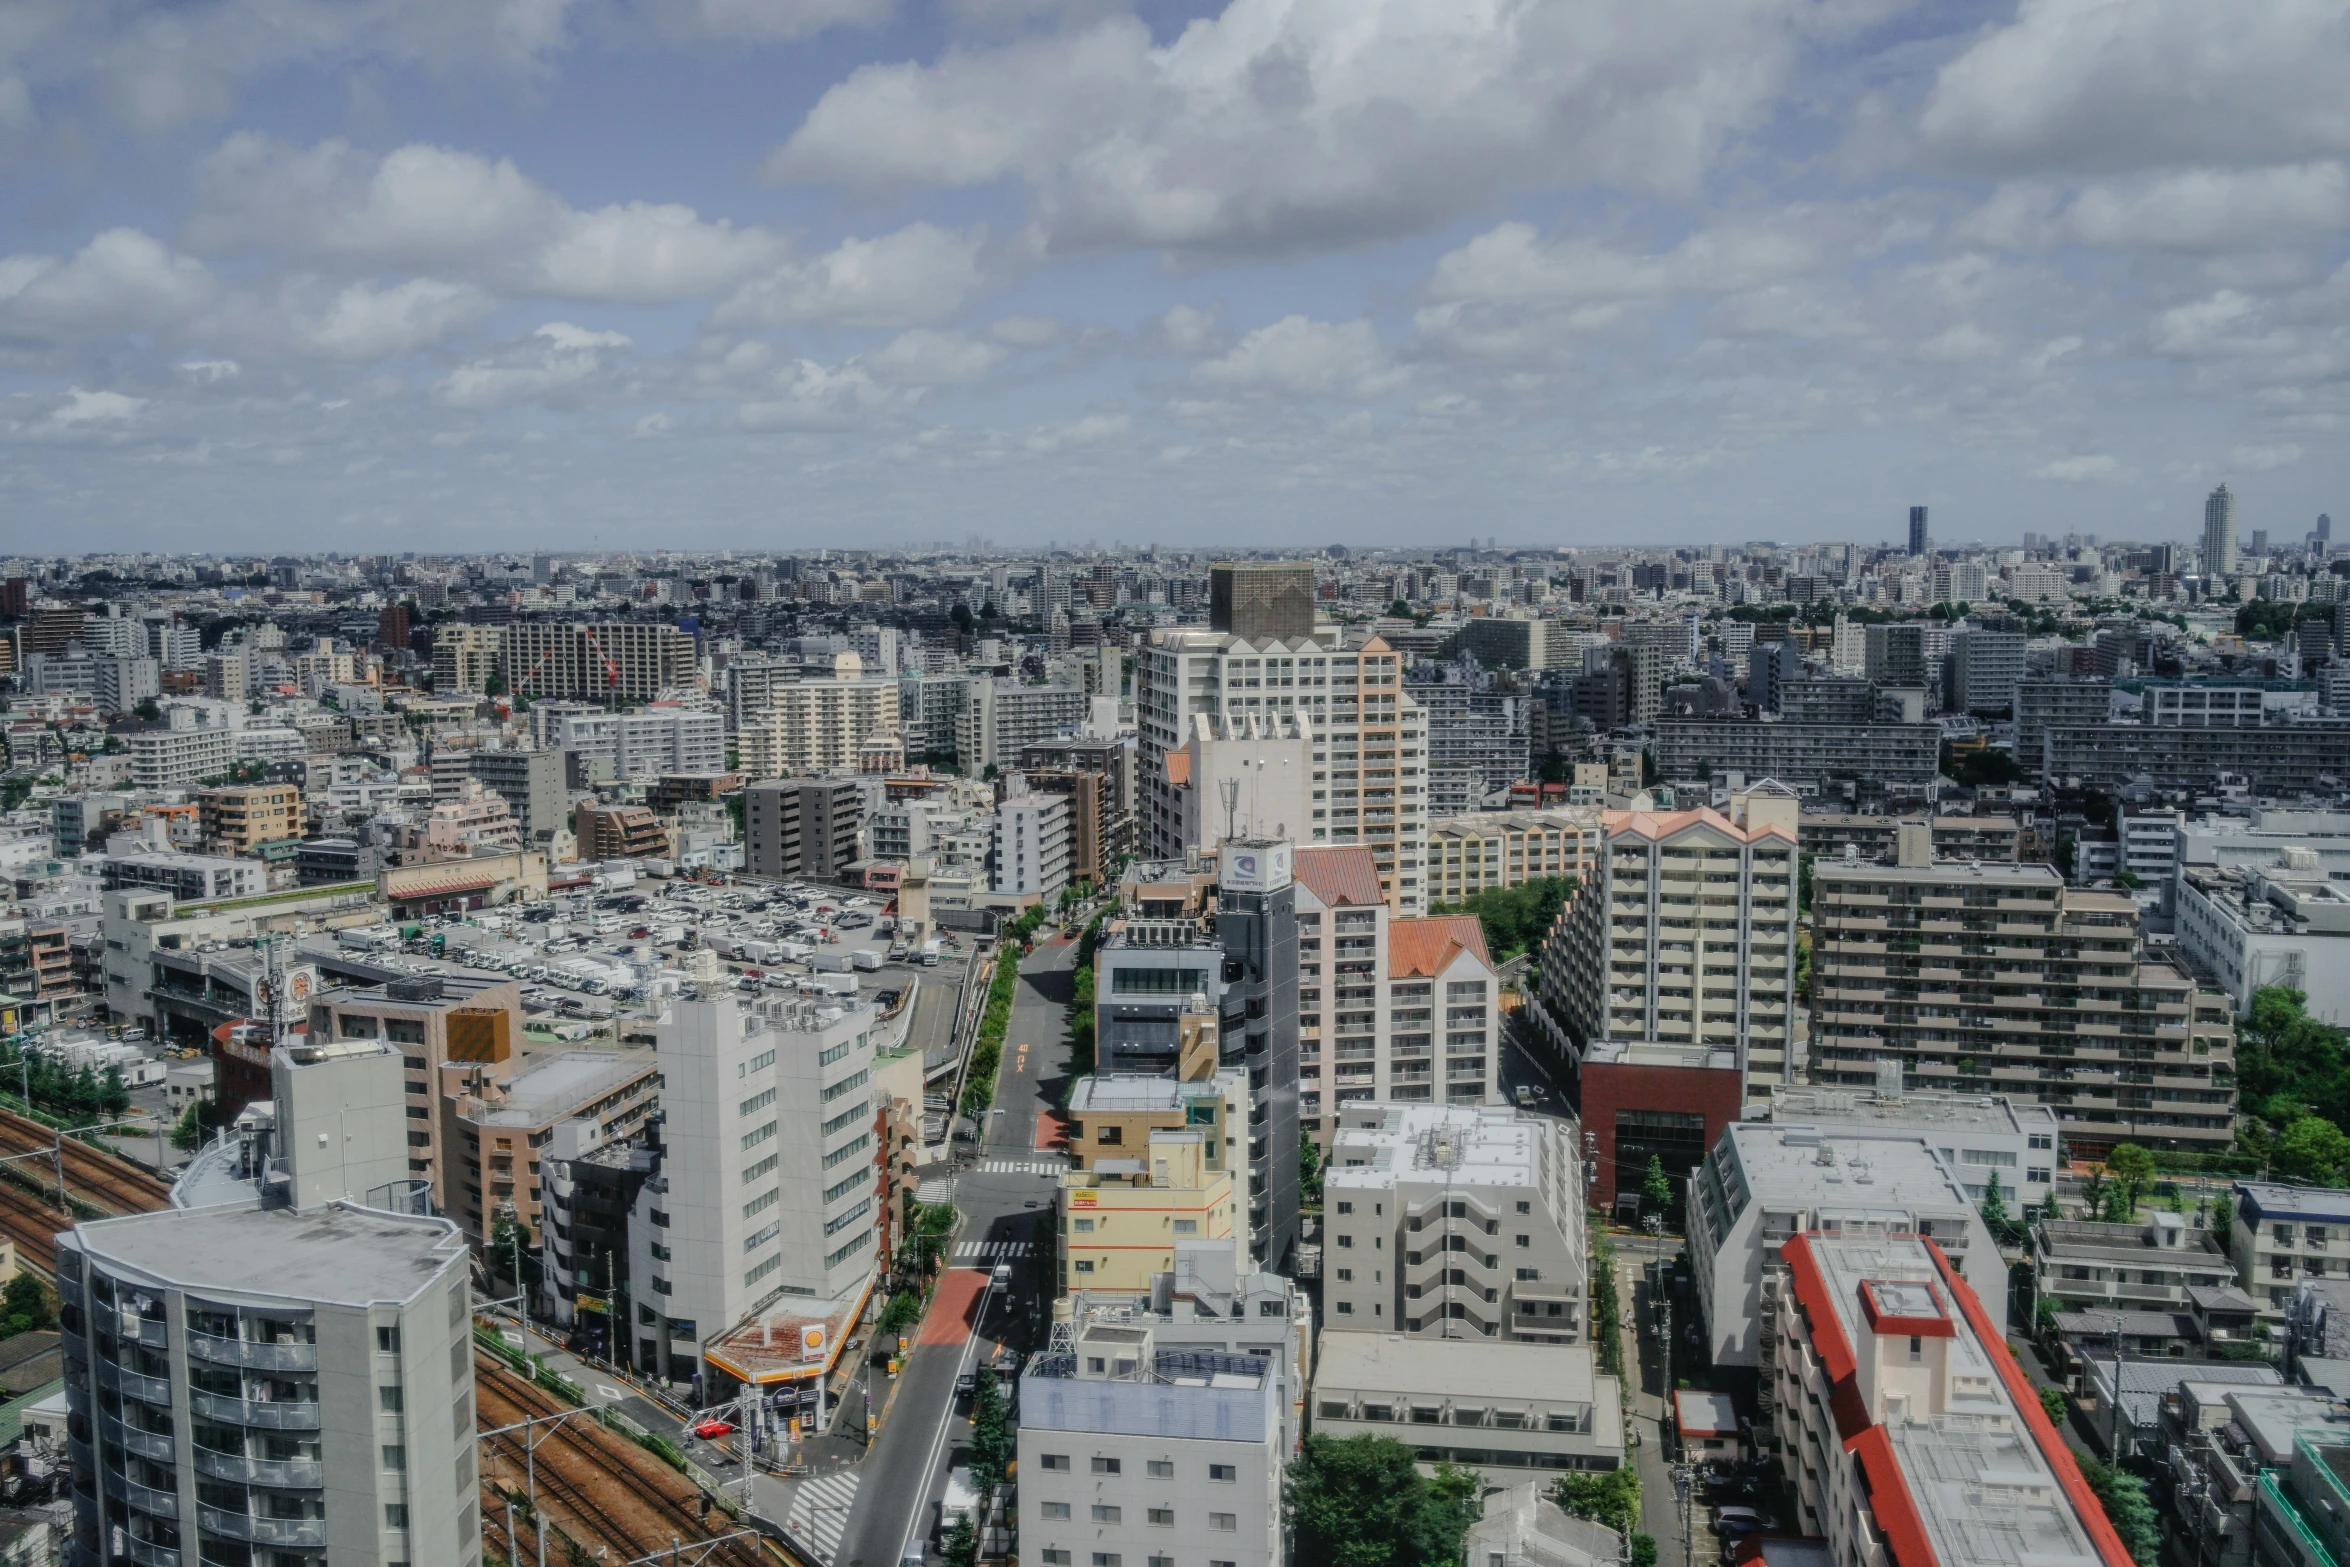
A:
{"x":1977,"y":1135}
{"x":766,"y":1189}
{"x":1133,"y":1455}
{"x":648,"y":741}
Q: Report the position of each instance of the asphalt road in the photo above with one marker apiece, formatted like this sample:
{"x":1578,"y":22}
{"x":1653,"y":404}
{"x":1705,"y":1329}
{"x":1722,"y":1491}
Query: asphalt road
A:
{"x":1008,"y":1215}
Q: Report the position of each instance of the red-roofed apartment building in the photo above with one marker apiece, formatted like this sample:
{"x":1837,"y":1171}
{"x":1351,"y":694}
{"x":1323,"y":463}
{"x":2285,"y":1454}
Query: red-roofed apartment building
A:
{"x":1388,"y":1008}
{"x":1908,"y":1433}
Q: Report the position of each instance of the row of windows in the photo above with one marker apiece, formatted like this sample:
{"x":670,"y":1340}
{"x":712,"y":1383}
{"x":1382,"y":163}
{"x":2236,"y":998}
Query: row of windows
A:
{"x":1056,"y":1557}
{"x":1158,"y":1517}
{"x":1155,"y":1468}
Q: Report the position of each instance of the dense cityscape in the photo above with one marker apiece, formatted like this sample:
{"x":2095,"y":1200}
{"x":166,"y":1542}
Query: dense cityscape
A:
{"x":905,"y":1057}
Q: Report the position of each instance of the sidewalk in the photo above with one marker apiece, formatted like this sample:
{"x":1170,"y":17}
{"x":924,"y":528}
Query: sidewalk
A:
{"x":1647,"y":1400}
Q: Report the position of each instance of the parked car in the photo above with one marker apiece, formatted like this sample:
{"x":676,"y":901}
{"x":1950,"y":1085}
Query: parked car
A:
{"x":712,"y":1429}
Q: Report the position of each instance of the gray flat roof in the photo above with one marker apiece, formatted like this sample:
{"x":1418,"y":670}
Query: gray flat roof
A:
{"x":549,"y":1087}
{"x":1919,"y":1112}
{"x":2271,"y":1201}
{"x":340,"y":1253}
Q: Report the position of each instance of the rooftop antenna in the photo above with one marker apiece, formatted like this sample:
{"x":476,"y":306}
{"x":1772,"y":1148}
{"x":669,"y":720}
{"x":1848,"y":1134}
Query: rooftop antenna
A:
{"x":1229,"y":788}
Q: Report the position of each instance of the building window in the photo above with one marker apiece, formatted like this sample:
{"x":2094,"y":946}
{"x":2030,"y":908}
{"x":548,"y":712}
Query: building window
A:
{"x":1224,"y":1474}
{"x":1054,"y":1558}
{"x":1161,"y":1468}
{"x":1107,"y":1466}
{"x":1106,"y":1512}
{"x":1163,"y":1517}
{"x":1056,"y":1510}
{"x":1059,"y":1461}
{"x":1224,"y":1523}
{"x":395,"y":1515}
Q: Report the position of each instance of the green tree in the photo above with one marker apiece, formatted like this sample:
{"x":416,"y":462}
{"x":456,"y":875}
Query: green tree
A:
{"x":961,"y":1546}
{"x":2052,"y":1400}
{"x":2050,"y":1208}
{"x":1610,"y":1497}
{"x":1995,"y":1207}
{"x":1656,"y":1188}
{"x":148,"y":711}
{"x":2312,"y":1149}
{"x":188,"y":1135}
{"x":2132,"y":1516}
{"x":1362,"y":1502}
{"x":1644,"y":1550}
{"x":25,"y":1306}
{"x":1309,"y":1170}
{"x":2133,"y":1166}
{"x":991,"y":1434}
{"x":2223,"y":1215}
{"x":1515,"y":919}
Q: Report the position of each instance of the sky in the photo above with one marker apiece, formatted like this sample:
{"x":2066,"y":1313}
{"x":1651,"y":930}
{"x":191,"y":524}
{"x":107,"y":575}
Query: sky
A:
{"x":785,"y":274}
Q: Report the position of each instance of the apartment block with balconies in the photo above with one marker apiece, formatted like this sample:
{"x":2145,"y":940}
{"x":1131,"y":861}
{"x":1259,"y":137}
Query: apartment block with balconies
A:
{"x":2000,"y":979}
{"x":1687,"y":936}
{"x":1454,"y":1222}
{"x":269,"y":1384}
{"x":2285,"y":1234}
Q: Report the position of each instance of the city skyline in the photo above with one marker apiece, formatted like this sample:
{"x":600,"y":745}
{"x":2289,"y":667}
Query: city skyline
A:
{"x":757,"y":274}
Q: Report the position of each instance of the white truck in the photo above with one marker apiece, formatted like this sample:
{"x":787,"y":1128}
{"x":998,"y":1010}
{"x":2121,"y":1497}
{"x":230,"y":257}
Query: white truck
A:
{"x":930,"y":953}
{"x":867,"y":960}
{"x":830,"y":985}
{"x":835,"y":962}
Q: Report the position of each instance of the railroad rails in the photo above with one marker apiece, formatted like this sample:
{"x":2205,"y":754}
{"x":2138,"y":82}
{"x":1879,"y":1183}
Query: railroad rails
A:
{"x":93,"y":1175}
{"x":594,"y":1484}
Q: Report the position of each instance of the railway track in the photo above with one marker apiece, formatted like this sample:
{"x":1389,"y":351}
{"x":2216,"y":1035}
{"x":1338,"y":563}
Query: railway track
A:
{"x":93,"y":1175}
{"x":33,"y":1225}
{"x":661,"y":1506}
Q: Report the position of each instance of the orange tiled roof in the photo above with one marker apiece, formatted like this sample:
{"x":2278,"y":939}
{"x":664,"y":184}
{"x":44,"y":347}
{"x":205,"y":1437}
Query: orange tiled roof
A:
{"x":1663,"y":824}
{"x":1341,"y":875}
{"x":1425,"y":948}
{"x":1178,"y":764}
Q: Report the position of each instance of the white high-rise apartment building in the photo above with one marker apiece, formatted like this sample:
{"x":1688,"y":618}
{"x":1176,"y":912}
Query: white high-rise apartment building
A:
{"x":1686,"y":936}
{"x":815,"y":726}
{"x":766,"y":1185}
{"x":279,"y":1373}
{"x":1028,"y":843}
{"x":1406,"y":1010}
{"x":2219,"y":534}
{"x":1370,"y":783}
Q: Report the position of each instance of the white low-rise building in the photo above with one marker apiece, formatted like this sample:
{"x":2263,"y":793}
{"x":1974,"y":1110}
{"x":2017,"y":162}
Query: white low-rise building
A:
{"x":1133,"y":1455}
{"x":1978,"y":1135}
{"x":1762,"y":1184}
{"x":1485,"y":1405}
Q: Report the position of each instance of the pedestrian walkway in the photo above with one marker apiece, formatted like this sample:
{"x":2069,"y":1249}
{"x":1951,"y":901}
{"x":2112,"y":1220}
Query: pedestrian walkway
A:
{"x":991,"y":1251}
{"x":820,"y":1513}
{"x":1020,"y":1166}
{"x":937,"y":1189}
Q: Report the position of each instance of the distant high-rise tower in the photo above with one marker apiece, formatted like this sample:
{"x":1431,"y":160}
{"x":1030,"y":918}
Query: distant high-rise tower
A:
{"x":1262,"y":599}
{"x":1917,"y":530}
{"x":2325,"y":528}
{"x":2219,"y":534}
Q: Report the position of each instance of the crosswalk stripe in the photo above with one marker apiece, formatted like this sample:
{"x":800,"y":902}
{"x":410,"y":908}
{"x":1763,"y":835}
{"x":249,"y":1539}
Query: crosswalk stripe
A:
{"x":819,"y":1512}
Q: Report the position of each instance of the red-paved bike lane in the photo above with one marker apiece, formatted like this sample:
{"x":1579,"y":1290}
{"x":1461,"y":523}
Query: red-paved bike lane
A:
{"x":954,"y":1308}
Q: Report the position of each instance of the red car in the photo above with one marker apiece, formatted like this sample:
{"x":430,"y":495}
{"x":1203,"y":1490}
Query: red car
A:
{"x":712,"y":1430}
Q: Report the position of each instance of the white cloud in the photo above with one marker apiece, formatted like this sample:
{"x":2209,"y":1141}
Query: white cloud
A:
{"x":1186,"y":329}
{"x":1288,"y":125}
{"x":1963,"y":342}
{"x":82,"y":407}
{"x":2205,"y":210}
{"x":2223,"y":324}
{"x":1025,"y":331}
{"x":1305,"y":358}
{"x":2080,"y":470}
{"x":2262,"y":459}
{"x":1090,"y":430}
{"x":308,"y":317}
{"x":436,"y":209}
{"x":768,"y":21}
{"x":809,"y":397}
{"x":926,"y":358}
{"x":2099,"y":85}
{"x":653,"y":425}
{"x":918,"y":274}
{"x":555,"y":358}
{"x":1511,"y":264}
{"x":122,"y":281}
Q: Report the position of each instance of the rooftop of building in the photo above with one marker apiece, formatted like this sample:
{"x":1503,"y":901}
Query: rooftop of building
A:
{"x":1112,"y":1092}
{"x":1670,"y":824}
{"x":1409,"y":1364}
{"x":1843,"y":1168}
{"x":1655,"y":1052}
{"x":2133,"y":1242}
{"x":2010,"y":872}
{"x":340,"y":1253}
{"x":1425,"y":948}
{"x":2256,"y":1200}
{"x":1378,"y":1145}
{"x":551,"y":1087}
{"x":1848,"y":1108}
{"x":1520,"y":1524}
{"x":2146,"y":1383}
{"x":1984,"y":1480}
{"x":1550,"y":818}
{"x":1341,"y":876}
